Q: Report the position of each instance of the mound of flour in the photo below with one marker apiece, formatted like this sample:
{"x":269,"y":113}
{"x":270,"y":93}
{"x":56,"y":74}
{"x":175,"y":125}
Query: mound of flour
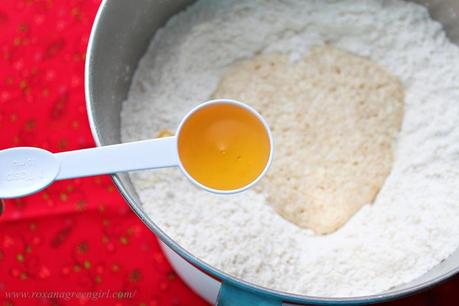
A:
{"x":335,"y":117}
{"x":413,"y":223}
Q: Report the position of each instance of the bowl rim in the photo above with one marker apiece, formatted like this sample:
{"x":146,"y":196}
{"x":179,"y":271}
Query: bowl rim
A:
{"x":199,"y":264}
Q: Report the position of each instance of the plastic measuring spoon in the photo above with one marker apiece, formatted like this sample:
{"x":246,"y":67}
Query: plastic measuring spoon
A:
{"x":26,"y":170}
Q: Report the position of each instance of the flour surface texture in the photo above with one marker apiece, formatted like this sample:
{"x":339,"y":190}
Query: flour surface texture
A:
{"x":412,"y":224}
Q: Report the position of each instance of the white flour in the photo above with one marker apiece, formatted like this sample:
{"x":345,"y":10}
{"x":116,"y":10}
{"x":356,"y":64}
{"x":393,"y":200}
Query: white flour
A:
{"x":413,"y":223}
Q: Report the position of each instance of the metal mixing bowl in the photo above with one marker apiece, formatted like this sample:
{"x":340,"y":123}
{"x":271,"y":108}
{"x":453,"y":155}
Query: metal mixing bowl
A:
{"x":121,"y":33}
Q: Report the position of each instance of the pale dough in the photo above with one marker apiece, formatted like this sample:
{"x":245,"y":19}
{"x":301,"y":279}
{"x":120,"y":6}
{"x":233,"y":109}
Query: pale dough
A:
{"x":334,"y":117}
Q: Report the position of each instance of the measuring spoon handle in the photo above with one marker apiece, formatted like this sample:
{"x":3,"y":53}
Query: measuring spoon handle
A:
{"x":132,"y":156}
{"x":26,"y":170}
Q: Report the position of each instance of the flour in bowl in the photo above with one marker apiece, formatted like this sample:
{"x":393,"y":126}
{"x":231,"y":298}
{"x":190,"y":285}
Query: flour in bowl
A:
{"x":412,"y":224}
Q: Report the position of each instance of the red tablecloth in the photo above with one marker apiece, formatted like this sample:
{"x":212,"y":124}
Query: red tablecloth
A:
{"x":77,"y":242}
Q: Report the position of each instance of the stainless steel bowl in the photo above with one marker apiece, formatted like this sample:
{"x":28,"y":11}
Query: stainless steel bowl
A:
{"x":120,"y":36}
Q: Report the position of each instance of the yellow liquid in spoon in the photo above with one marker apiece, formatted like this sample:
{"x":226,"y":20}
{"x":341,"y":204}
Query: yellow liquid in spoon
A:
{"x":224,"y":146}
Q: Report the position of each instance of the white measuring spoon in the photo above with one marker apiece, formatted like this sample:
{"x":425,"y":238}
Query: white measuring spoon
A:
{"x":26,"y":170}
